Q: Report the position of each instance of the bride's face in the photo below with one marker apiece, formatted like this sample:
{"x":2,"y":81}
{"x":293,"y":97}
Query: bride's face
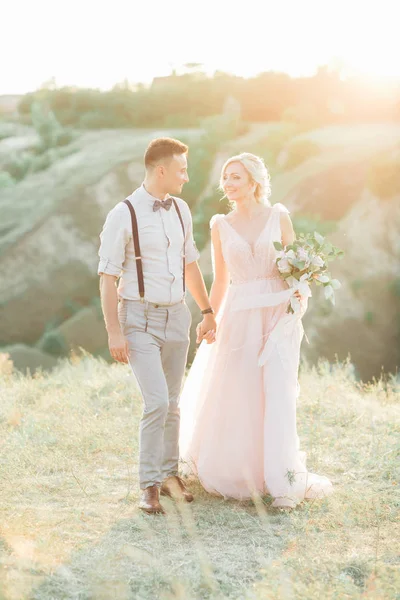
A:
{"x":236,"y":182}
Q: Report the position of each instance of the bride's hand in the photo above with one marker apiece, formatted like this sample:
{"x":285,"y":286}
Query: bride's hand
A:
{"x":208,"y":336}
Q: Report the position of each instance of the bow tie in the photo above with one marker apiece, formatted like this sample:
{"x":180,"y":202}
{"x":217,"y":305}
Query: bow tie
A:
{"x":165,"y":204}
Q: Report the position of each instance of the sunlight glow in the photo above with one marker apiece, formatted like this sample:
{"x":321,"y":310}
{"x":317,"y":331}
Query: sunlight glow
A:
{"x":94,"y":44}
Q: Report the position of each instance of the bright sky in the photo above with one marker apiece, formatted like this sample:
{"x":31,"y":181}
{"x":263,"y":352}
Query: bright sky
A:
{"x":99,"y":43}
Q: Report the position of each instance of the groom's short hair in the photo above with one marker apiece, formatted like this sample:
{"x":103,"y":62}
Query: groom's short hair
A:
{"x":161,"y":149}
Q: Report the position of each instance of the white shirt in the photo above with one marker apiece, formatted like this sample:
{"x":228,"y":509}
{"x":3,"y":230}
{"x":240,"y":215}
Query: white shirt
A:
{"x":161,"y":246}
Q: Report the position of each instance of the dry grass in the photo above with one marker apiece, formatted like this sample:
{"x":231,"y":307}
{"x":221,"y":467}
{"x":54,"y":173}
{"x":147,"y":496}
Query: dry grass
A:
{"x":70,"y":527}
{"x":340,"y":145}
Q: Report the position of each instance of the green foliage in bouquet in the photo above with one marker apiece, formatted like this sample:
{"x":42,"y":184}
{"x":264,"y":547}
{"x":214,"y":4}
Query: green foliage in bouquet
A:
{"x":306,"y":261}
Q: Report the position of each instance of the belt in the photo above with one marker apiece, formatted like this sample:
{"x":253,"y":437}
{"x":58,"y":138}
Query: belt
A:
{"x":155,"y":304}
{"x":159,"y":305}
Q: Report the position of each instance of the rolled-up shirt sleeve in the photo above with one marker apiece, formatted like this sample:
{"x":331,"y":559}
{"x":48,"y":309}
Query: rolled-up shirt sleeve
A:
{"x":191,"y":252}
{"x":113,"y":240}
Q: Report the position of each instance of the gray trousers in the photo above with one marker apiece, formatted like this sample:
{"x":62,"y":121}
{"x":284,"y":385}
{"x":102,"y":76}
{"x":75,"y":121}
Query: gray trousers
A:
{"x":158,"y":340}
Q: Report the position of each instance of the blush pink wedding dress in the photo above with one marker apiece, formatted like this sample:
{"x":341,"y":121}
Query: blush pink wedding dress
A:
{"x":238,"y":406}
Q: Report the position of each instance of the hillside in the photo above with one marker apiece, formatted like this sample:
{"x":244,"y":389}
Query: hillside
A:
{"x":51,"y":221}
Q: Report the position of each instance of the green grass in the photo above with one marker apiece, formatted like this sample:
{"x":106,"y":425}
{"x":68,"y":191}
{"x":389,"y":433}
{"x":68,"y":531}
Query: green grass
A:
{"x":70,"y":527}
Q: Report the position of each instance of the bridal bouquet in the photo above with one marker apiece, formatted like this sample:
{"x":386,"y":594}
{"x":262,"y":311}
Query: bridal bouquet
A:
{"x":305,"y":262}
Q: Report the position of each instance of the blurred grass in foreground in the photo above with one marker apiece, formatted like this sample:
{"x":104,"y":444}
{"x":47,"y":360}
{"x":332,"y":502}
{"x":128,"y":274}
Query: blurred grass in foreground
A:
{"x":70,"y":527}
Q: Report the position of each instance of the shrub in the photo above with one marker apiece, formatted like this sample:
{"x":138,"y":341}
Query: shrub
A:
{"x":19,"y":165}
{"x":48,"y":128}
{"x":53,"y":343}
{"x":24,"y":163}
{"x":8,"y":129}
{"x":46,"y":125}
{"x":6,"y":180}
{"x":66,"y":136}
{"x":47,"y":158}
{"x":41,"y":162}
{"x":97,"y":120}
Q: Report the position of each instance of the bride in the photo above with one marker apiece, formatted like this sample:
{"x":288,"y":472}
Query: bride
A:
{"x":238,"y":406}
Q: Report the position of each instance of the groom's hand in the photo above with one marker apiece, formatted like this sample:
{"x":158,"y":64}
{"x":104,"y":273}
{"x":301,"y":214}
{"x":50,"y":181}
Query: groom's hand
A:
{"x":118,"y":346}
{"x":206,"y":330}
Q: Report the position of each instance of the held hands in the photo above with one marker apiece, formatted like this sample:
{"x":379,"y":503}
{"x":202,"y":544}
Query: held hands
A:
{"x":206,"y":330}
{"x":119,"y":347}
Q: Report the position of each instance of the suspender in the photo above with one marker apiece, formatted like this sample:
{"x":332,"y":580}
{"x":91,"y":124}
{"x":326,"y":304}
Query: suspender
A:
{"x":183,"y":229}
{"x":138,"y":256}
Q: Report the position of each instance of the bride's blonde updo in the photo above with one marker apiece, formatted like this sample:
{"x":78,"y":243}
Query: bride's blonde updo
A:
{"x":258,"y":174}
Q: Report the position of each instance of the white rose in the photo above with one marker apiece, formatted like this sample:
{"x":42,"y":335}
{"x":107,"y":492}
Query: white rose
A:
{"x":303,"y":255}
{"x":290,"y":256}
{"x":284,"y":266}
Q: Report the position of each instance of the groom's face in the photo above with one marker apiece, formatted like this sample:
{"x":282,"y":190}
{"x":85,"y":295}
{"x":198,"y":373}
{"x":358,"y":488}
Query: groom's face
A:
{"x":175,"y":174}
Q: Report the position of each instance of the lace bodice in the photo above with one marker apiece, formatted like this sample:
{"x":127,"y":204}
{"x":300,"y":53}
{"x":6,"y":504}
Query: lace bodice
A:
{"x":246,"y":263}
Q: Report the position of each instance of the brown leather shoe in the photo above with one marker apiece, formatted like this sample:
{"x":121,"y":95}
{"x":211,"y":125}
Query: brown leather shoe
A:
{"x":174,"y":487}
{"x":150,"y":500}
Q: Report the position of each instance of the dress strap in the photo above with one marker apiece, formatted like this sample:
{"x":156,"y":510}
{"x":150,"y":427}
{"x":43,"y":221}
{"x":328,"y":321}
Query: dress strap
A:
{"x":278,"y":209}
{"x":216,"y":219}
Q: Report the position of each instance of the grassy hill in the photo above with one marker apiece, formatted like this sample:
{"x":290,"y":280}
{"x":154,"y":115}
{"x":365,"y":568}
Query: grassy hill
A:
{"x":70,"y":527}
{"x":342,"y":180}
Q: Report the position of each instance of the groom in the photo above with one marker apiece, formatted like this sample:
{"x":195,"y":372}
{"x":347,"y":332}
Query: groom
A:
{"x":147,"y":242}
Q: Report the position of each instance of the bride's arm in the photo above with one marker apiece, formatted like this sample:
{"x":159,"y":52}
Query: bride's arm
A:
{"x":221,"y":273}
{"x":288,"y":234}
